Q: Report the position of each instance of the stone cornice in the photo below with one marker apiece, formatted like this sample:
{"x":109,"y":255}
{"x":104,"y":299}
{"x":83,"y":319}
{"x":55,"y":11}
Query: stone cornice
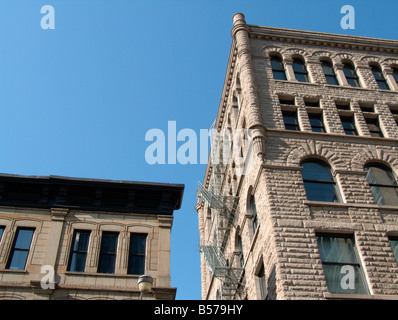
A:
{"x":324,"y":39}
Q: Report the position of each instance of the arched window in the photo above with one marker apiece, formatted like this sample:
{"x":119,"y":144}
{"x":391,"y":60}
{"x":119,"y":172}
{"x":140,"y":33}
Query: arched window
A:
{"x":278,"y":70}
{"x":329,"y":73}
{"x":351,"y":75}
{"x":239,"y":250}
{"x":382,"y":183}
{"x":253,"y":212}
{"x":300,"y":71}
{"x":319,"y":182}
{"x":378,"y":74}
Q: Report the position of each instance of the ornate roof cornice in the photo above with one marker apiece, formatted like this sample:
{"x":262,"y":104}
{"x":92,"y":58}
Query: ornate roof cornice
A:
{"x":323,"y":39}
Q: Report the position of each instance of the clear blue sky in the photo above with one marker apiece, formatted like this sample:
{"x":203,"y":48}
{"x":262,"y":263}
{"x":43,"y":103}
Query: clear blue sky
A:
{"x":78,"y":100}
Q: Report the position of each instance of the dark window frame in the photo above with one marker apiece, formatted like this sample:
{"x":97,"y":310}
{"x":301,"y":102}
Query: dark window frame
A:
{"x":278,"y":73}
{"x":319,"y":182}
{"x":394,"y":246}
{"x":374,"y":127}
{"x":15,"y":249}
{"x":292,"y":115}
{"x":300,"y":70}
{"x":135,"y":256}
{"x":315,"y":116}
{"x":330,"y":75}
{"x":78,"y":251}
{"x":352,"y":131}
{"x":253,"y":211}
{"x":102,"y":267}
{"x":376,"y":185}
{"x":379,"y":77}
{"x":351,"y":75}
{"x":2,"y":228}
{"x":395,"y":74}
{"x":354,"y":254}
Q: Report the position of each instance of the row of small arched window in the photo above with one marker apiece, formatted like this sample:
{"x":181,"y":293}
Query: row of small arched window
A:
{"x":301,"y":73}
{"x":320,"y":185}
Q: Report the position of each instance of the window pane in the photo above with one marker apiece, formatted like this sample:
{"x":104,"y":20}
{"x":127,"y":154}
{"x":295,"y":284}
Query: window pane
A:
{"x":327,"y":68}
{"x":349,"y":71}
{"x":394,"y":246}
{"x":78,"y":262}
{"x":337,"y":283}
{"x":138,"y":244}
{"x":81,"y":240}
{"x":341,"y":265}
{"x":1,"y":232}
{"x":276,"y":64}
{"x":316,"y":171}
{"x":316,"y":122}
{"x":348,"y":125}
{"x":107,"y":264}
{"x":136,"y":263}
{"x":278,"y":68}
{"x":279,"y":75}
{"x":336,"y":250}
{"x":18,"y":260}
{"x":395,"y":74}
{"x":108,"y":252}
{"x":332,"y":80}
{"x":109,"y":242}
{"x":253,"y":211}
{"x":353,"y":82}
{"x":298,"y":66}
{"x":385,"y":196}
{"x":20,"y":250}
{"x":301,"y":77}
{"x":79,"y":251}
{"x":320,"y":191}
{"x":24,"y":238}
{"x":383,"y":185}
{"x":378,"y":175}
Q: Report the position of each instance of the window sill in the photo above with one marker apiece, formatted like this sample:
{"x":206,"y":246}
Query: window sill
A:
{"x":334,"y":86}
{"x":14,"y":271}
{"x":335,"y":135}
{"x":348,"y":205}
{"x":105,"y":275}
{"x":330,"y":296}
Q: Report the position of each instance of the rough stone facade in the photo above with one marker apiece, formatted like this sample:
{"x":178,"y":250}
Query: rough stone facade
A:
{"x":46,"y":205}
{"x":285,"y":240}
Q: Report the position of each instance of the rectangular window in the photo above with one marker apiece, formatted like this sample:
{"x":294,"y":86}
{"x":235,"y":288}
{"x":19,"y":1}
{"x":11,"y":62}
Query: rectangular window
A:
{"x":107,"y":258}
{"x":290,"y":120}
{"x":374,"y":128}
{"x":20,"y":249}
{"x":136,"y":263}
{"x":349,"y":125}
{"x":1,"y":231}
{"x":341,"y":264}
{"x":316,"y":122}
{"x":394,"y":246}
{"x":78,"y":254}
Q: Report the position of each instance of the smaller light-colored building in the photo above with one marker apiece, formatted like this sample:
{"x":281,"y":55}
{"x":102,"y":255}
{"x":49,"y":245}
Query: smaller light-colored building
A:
{"x":67,"y":238}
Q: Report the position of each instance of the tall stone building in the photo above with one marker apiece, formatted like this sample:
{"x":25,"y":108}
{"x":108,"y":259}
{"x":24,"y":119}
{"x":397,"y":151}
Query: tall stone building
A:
{"x":309,"y":207}
{"x":68,"y":238}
